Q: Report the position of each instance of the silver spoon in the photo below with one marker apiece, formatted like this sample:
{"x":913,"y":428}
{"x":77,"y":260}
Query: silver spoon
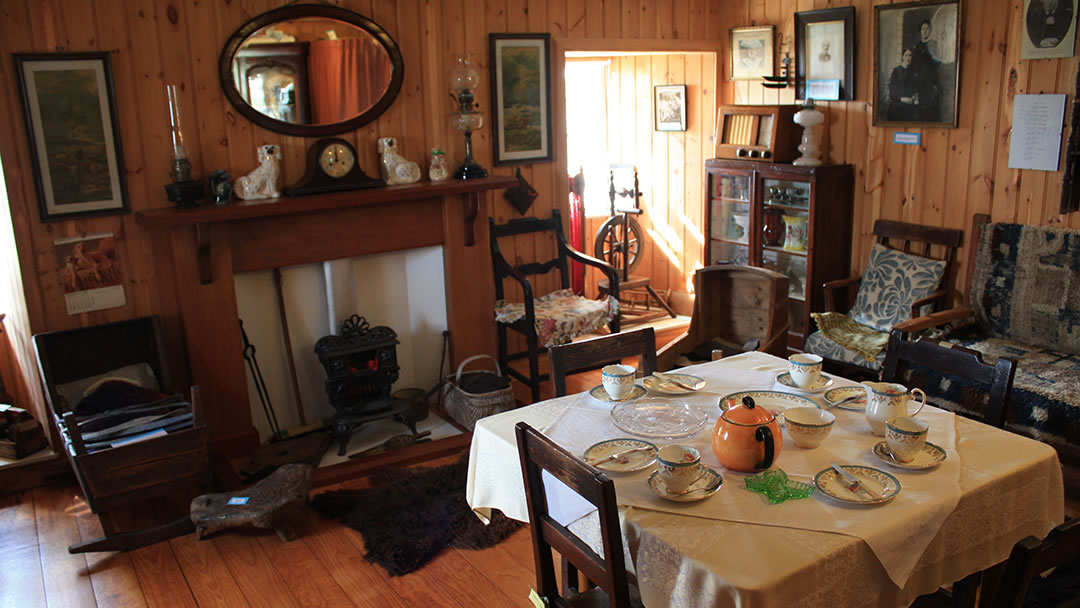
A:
{"x":708,"y":488}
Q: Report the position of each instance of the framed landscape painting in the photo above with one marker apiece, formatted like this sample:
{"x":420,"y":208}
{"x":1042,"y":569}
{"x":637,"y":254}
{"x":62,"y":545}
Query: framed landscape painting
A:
{"x":70,"y":118}
{"x":521,"y":89}
{"x":917,"y":64}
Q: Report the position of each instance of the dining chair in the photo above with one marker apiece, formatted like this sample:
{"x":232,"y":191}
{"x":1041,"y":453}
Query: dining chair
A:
{"x":608,"y":572}
{"x":1030,"y":557}
{"x":595,"y":353}
{"x":981,"y":389}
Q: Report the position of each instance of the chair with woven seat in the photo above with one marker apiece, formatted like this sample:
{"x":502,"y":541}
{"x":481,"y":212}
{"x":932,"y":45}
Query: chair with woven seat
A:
{"x":540,"y":454}
{"x":904,"y":278}
{"x":555,"y":318}
{"x":595,"y":353}
{"x":986,"y":387}
{"x":736,"y":308}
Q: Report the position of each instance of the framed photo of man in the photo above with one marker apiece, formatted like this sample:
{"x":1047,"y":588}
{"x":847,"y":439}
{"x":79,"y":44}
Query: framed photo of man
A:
{"x":917,"y":64}
{"x":825,"y":50}
{"x":1049,"y":29}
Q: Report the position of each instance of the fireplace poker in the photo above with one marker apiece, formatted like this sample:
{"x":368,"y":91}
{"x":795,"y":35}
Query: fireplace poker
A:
{"x":288,"y":346}
{"x":260,"y":384}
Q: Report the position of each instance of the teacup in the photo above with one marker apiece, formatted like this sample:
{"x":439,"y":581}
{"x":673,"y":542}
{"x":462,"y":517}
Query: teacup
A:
{"x":679,"y":466}
{"x":805,"y":369}
{"x":618,"y":380}
{"x":808,"y":426}
{"x":905,"y":436}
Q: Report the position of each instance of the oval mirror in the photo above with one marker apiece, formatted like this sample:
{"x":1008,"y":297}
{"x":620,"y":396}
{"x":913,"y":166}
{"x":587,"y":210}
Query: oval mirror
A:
{"x":311,"y":70}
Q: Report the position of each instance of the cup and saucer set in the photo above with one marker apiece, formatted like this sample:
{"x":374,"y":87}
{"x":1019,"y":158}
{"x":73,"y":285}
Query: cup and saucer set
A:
{"x":679,"y":476}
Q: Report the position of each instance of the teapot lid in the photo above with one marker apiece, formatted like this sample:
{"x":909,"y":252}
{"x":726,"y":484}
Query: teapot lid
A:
{"x":748,"y":413}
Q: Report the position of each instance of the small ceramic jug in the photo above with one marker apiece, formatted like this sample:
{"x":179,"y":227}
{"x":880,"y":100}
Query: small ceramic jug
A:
{"x":885,"y":400}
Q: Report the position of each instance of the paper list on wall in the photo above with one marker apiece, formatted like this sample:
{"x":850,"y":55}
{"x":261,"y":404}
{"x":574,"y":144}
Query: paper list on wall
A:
{"x":1036,"y":132}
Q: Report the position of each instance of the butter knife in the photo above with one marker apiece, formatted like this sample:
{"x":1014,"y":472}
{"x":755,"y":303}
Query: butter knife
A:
{"x":671,"y":380}
{"x":618,"y":455}
{"x":853,"y":481}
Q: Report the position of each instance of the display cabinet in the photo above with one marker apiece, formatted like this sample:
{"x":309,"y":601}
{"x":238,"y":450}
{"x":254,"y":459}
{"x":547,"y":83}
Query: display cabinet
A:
{"x":794,"y":220}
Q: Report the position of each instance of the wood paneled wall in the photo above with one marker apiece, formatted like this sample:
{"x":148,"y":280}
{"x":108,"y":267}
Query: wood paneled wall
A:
{"x":953,"y":174}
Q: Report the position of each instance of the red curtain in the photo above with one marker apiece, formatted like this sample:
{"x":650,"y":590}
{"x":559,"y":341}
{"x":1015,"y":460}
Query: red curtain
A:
{"x":347,"y":77}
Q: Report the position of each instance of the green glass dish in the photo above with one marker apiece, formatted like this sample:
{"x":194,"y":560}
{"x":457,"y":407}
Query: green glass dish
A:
{"x":776,"y":486}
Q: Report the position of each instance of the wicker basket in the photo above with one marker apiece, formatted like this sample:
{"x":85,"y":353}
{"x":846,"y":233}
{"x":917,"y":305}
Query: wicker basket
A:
{"x":466,"y":407}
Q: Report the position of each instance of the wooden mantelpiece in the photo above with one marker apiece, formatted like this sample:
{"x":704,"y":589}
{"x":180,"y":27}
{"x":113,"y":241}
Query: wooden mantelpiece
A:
{"x":207,"y":243}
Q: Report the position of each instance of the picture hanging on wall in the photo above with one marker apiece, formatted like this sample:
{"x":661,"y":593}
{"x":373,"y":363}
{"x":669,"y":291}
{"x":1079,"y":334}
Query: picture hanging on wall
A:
{"x":916,"y":64}
{"x":752,"y":52}
{"x":1049,"y":29}
{"x":75,"y":152}
{"x":825,"y":50}
{"x":521,"y":87}
{"x":670,"y":107}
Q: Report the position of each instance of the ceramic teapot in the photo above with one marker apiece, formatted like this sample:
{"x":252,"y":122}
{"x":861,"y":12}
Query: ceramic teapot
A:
{"x":885,"y":400}
{"x":746,"y":437}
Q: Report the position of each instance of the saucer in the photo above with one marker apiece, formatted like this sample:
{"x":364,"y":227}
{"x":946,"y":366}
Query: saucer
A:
{"x":658,"y":385}
{"x":634,"y":461}
{"x":600,"y":394}
{"x":824,"y":381}
{"x":832,"y":485}
{"x":843,"y":392}
{"x":777,"y":401}
{"x":930,"y":456}
{"x":710,"y":479}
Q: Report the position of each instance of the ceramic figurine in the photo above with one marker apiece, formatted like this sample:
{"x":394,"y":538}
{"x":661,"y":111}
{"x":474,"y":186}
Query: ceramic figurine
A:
{"x":393,"y":167}
{"x":220,"y":188}
{"x":437,"y":170}
{"x":262,"y":182}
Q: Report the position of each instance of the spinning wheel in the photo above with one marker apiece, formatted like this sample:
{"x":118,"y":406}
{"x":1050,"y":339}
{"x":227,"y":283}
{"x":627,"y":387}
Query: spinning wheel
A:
{"x":619,"y":237}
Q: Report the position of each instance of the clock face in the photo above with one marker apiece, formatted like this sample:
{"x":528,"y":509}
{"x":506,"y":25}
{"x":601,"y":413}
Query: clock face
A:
{"x":336,"y":160}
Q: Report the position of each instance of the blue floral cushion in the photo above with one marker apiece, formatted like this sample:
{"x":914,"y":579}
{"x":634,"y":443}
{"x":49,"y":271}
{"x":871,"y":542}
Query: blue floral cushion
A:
{"x":893,"y":281}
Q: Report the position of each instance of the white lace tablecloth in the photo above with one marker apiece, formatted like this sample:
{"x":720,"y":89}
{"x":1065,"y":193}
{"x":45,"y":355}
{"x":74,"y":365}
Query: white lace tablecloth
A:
{"x":736,"y":550}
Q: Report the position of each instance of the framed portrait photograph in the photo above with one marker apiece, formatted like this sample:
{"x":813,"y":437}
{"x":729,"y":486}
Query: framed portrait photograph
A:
{"x":70,"y":115}
{"x":752,"y":52}
{"x":916,"y":64}
{"x":1049,"y":29}
{"x":521,"y":97}
{"x":670,"y":107}
{"x":825,"y":50}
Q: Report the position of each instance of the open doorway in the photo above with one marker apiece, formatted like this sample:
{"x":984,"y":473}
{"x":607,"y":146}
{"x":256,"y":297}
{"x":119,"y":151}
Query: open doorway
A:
{"x":611,"y":122}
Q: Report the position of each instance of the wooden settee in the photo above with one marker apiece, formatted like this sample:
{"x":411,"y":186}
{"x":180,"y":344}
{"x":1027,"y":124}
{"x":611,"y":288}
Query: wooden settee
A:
{"x":1023,"y":302}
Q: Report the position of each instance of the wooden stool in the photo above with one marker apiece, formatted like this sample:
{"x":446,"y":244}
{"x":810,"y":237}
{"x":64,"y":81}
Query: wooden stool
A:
{"x":271,"y":503}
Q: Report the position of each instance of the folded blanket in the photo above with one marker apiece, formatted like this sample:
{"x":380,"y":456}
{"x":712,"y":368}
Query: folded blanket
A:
{"x":865,"y":341}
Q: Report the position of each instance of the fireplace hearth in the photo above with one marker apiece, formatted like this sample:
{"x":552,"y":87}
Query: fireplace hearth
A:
{"x":361,"y":368}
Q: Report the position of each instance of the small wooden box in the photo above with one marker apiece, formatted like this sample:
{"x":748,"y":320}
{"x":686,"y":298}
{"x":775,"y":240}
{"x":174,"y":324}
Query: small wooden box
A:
{"x":766,"y":133}
{"x":20,"y":434}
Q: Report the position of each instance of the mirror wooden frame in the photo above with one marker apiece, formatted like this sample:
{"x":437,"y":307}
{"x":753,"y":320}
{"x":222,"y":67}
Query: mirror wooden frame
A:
{"x":297,"y":11}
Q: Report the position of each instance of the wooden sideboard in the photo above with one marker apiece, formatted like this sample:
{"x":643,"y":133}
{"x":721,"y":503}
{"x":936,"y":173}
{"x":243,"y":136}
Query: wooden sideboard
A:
{"x":208,"y":244}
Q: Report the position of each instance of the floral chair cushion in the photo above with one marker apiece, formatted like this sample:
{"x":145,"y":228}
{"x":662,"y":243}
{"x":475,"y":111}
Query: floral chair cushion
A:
{"x":893,"y":281}
{"x":818,"y":344}
{"x":561,"y":315}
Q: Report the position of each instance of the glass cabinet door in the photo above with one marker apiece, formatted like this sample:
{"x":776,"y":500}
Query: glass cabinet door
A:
{"x":729,"y":208}
{"x":785,"y":229}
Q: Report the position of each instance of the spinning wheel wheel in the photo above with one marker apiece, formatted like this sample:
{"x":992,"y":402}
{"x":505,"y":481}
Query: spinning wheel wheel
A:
{"x":616,"y":240}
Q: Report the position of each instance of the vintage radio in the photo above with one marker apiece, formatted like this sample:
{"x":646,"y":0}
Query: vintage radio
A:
{"x":757,"y":133}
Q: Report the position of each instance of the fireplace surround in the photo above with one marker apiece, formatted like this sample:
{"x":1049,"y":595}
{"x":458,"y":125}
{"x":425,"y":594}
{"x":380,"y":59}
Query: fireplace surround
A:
{"x":201,"y":248}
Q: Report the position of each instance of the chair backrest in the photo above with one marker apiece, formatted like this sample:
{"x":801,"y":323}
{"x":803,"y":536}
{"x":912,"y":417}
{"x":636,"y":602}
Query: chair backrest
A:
{"x":538,"y":453}
{"x":1031,"y":556}
{"x":529,"y":225}
{"x":927,"y":241}
{"x":734,"y":305}
{"x":595,"y":353}
{"x":954,"y":361}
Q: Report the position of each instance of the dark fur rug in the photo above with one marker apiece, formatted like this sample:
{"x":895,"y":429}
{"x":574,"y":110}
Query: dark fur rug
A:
{"x":410,"y":515}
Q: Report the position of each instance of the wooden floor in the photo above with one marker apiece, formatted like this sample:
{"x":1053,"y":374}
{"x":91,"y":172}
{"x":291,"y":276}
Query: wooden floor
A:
{"x":324,"y":567}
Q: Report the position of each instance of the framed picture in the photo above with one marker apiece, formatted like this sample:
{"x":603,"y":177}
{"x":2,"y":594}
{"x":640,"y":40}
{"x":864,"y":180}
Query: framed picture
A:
{"x":1049,"y":29}
{"x":670,"y":107}
{"x":70,"y":118}
{"x":752,"y":52}
{"x":916,"y":63}
{"x":521,"y":89}
{"x":825,"y":50}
